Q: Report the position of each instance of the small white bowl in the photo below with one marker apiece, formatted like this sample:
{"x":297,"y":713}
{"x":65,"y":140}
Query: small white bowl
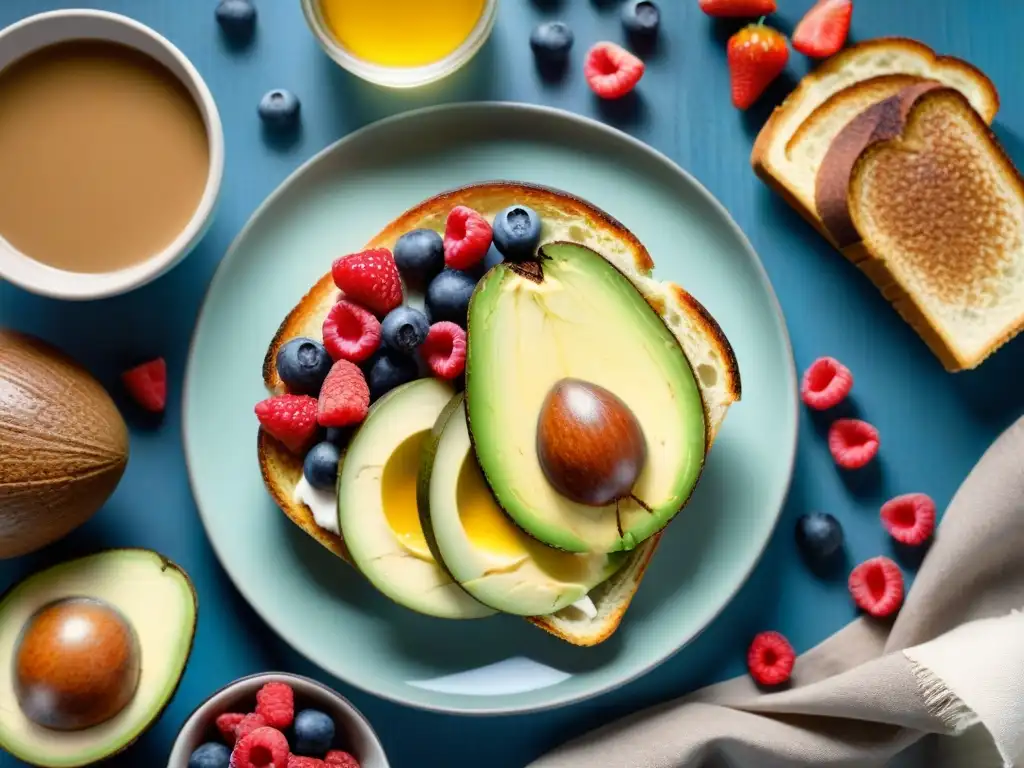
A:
{"x":401,"y":77}
{"x":35,"y":32}
{"x":353,"y":731}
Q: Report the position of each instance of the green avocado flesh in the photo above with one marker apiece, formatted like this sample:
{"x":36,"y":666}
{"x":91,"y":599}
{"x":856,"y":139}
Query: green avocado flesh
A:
{"x":153,"y":596}
{"x":377,"y":506}
{"x":584,"y":320}
{"x":482,"y":549}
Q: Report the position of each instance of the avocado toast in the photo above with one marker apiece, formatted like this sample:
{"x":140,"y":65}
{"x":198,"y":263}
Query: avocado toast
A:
{"x":573,"y":233}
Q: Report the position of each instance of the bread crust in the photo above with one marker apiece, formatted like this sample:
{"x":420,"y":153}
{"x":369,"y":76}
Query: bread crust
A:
{"x":281,"y":470}
{"x":766,"y":137}
{"x":881,"y":122}
{"x":876,"y":266}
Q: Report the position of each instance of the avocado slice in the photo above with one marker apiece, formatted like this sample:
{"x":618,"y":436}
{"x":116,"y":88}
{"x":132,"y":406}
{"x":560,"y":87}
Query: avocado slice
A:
{"x":152,"y":596}
{"x":377,"y":509}
{"x":483,"y":550}
{"x":572,"y":314}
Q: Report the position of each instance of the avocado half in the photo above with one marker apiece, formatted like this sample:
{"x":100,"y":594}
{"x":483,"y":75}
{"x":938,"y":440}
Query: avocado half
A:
{"x":481,"y":548}
{"x":571,"y":314}
{"x":377,"y":507}
{"x":154,"y":597}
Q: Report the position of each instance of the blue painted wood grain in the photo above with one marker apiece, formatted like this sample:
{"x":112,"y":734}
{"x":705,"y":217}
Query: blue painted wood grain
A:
{"x":934,"y":425}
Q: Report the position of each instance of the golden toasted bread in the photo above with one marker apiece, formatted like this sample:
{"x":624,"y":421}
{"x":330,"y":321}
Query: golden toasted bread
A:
{"x":565,"y":218}
{"x":938,"y":210}
{"x":790,"y":147}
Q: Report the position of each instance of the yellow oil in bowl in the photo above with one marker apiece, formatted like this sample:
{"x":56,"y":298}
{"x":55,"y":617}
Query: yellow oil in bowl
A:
{"x":401,"y":43}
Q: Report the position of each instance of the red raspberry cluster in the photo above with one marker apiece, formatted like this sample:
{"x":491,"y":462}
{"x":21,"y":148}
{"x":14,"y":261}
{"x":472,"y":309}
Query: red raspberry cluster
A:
{"x":258,"y":739}
{"x":876,"y":585}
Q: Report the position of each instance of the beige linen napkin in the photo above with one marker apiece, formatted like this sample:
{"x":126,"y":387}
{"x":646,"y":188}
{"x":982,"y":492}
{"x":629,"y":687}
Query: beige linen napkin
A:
{"x":952,"y":661}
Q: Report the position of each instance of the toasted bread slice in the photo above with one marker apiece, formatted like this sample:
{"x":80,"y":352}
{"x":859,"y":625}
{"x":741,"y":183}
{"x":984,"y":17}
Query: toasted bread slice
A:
{"x":789,"y":149}
{"x":939,"y":208}
{"x":565,"y":218}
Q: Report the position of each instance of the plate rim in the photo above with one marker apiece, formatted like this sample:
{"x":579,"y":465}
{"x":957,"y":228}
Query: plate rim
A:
{"x":585,"y":123}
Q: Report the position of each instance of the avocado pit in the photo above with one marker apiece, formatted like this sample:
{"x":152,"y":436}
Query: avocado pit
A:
{"x":590,"y":444}
{"x":76,"y":665}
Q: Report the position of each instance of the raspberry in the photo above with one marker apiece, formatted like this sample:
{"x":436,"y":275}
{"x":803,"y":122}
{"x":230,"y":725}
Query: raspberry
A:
{"x":294,"y":761}
{"x":350,"y":332}
{"x":910,"y":518}
{"x":226,"y":725}
{"x":370,"y":279}
{"x":340,"y":759}
{"x":825,"y":384}
{"x":289,"y":418}
{"x":344,"y":397}
{"x":877,"y":586}
{"x":612,"y":71}
{"x":853,"y":442}
{"x":147,"y":384}
{"x":248,"y":724}
{"x":467,"y":236}
{"x":770,"y":659}
{"x":445,"y":350}
{"x":263,"y":748}
{"x":276,"y":702}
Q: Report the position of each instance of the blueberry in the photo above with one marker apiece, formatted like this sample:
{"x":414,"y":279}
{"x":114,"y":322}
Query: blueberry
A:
{"x":641,"y":18}
{"x":551,"y":42}
{"x":517,"y":232}
{"x":819,"y":536}
{"x":314,"y":732}
{"x":448,"y":296}
{"x":321,"y":465}
{"x":279,"y":109}
{"x":303,"y":364}
{"x":338,"y":435}
{"x":404,"y":329}
{"x":236,"y":17}
{"x":386,"y":371}
{"x":420,"y":255}
{"x":210,"y":755}
{"x":492,"y":257}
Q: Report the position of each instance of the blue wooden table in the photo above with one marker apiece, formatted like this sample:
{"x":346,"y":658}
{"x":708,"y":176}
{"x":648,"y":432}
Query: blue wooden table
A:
{"x":934,"y":425}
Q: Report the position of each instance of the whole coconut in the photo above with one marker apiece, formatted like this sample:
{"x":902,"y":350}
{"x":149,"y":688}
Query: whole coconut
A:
{"x":63,"y":444}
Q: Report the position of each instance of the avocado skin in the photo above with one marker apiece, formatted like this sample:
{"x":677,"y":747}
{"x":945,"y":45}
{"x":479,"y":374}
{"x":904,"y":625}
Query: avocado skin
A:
{"x":535,"y":272}
{"x":165,"y":564}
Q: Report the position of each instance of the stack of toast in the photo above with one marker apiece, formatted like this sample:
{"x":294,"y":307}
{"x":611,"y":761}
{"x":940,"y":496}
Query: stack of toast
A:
{"x":886,"y":150}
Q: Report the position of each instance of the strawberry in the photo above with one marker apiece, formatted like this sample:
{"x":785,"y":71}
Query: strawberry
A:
{"x":147,"y":384}
{"x":290,"y":419}
{"x":822,"y":32}
{"x":611,"y":71}
{"x":757,"y":55}
{"x":737,"y":8}
{"x":370,"y":279}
